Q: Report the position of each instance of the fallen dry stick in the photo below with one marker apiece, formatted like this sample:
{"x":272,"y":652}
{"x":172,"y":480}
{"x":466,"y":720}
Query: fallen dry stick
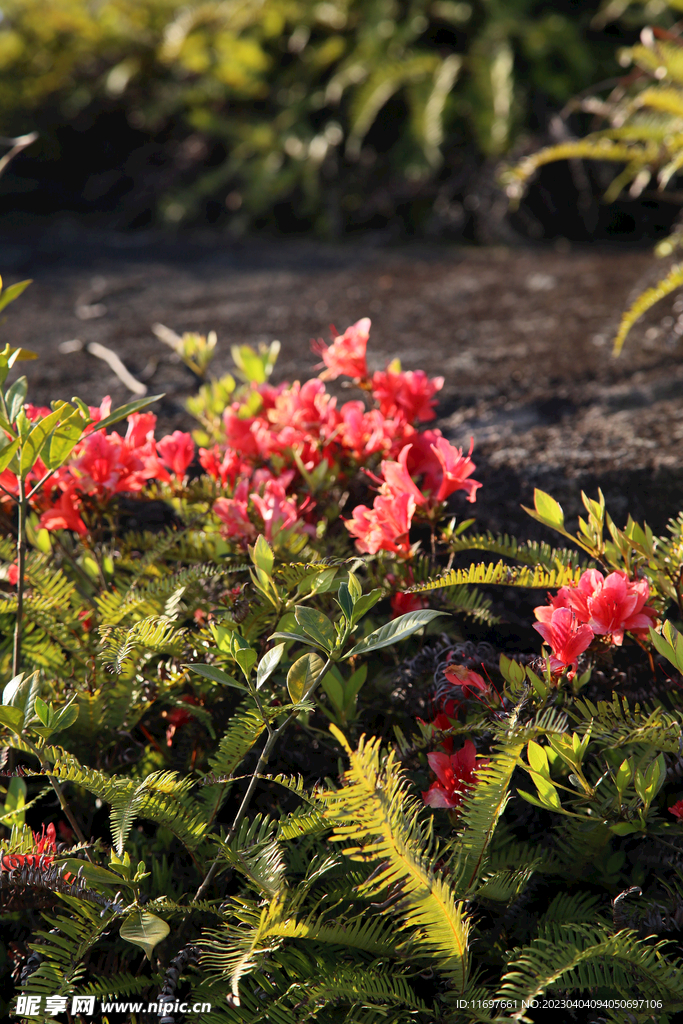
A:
{"x":112,"y":361}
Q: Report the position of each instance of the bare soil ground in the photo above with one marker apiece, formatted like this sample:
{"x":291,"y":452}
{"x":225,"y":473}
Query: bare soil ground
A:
{"x":522,"y":337}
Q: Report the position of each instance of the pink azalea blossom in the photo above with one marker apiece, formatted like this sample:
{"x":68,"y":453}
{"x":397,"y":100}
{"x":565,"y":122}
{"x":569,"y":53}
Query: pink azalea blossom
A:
{"x":397,"y":480}
{"x":610,"y":605}
{"x":385,"y":526}
{"x":277,"y":511}
{"x":566,"y":637}
{"x":234,"y":513}
{"x":408,"y":395}
{"x":456,"y":469}
{"x":345,"y":357}
{"x":455,"y":775}
{"x":222,"y":464}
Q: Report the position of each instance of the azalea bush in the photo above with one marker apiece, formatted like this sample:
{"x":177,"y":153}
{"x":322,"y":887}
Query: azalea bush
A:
{"x":263,"y":752}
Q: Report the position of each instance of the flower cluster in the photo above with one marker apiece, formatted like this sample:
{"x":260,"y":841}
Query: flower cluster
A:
{"x":597,"y":605}
{"x":386,"y":525}
{"x":103,"y":464}
{"x":272,"y":439}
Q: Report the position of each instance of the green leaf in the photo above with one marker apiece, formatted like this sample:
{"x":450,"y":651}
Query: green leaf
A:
{"x":250,"y":363}
{"x":15,"y":397}
{"x":21,"y":692}
{"x":125,"y":410}
{"x":345,"y":600}
{"x":65,"y":437}
{"x":548,"y":510}
{"x":267,"y":665}
{"x":7,"y":451}
{"x":317,"y":626}
{"x":145,"y":930}
{"x":531,"y":799}
{"x":262,"y":555}
{"x":11,"y":717}
{"x":65,"y":718}
{"x":355,"y":589}
{"x":92,"y":872}
{"x":538,"y":759}
{"x":398,"y":629}
{"x":303,"y":675}
{"x":33,"y":444}
{"x":246,"y":659}
{"x":624,"y":829}
{"x":364,"y":603}
{"x":332,"y":686}
{"x":624,"y":775}
{"x":9,"y":295}
{"x":546,"y":792}
{"x":216,"y":675}
{"x":44,"y":711}
{"x":301,"y":638}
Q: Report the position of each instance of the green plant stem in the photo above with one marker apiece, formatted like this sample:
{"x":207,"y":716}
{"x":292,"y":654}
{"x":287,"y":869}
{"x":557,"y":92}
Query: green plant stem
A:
{"x":21,"y":560}
{"x":246,"y":799}
{"x":63,"y":802}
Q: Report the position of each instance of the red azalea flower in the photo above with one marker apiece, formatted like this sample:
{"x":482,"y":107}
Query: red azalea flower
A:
{"x":234,"y":513}
{"x":442,"y":723}
{"x":566,"y":637}
{"x":13,"y":574}
{"x":44,"y":849}
{"x":176,"y":452}
{"x":222,"y":464}
{"x":467,"y":678}
{"x":345,"y":357}
{"x":455,"y":775}
{"x":677,"y":809}
{"x":403,"y":603}
{"x":64,"y":513}
{"x":177,"y":717}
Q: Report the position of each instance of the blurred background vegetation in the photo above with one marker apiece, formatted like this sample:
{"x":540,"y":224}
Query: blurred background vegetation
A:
{"x":323,"y":116}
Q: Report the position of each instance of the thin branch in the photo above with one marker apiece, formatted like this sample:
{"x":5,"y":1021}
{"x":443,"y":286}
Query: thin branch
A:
{"x":246,"y":799}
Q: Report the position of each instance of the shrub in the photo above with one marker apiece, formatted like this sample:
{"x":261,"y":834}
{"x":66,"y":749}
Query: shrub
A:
{"x":196,"y":803}
{"x":338,"y":113}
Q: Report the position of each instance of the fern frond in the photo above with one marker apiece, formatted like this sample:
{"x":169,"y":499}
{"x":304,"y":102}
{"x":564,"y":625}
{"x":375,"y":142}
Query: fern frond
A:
{"x":621,"y":963}
{"x":593,"y":147}
{"x":244,"y":730}
{"x":482,"y":810}
{"x":499,"y":573}
{"x":472,"y":603}
{"x":615,"y":723}
{"x":156,"y":634}
{"x":374,"y":811}
{"x":650,"y":297}
{"x":528,"y":552}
